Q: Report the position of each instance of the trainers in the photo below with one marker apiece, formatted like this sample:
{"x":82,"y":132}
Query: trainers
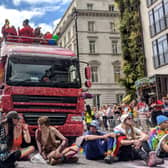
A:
{"x":151,"y":161}
{"x":109,"y":159}
{"x":71,"y":160}
{"x":159,"y":161}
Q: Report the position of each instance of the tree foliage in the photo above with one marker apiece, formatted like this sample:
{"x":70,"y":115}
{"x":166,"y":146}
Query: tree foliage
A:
{"x":132,"y":43}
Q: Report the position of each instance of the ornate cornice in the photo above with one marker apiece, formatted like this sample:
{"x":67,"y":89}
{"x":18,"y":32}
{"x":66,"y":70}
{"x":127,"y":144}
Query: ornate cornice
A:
{"x":98,"y":13}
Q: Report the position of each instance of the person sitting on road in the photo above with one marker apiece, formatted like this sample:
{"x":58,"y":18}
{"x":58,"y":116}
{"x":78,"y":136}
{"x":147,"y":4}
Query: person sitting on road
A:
{"x":98,"y":145}
{"x":133,"y":143}
{"x":7,"y":158}
{"x":158,"y":139}
{"x":17,"y":131}
{"x":50,"y":141}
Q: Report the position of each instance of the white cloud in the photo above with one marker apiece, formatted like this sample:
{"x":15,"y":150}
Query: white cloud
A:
{"x":45,"y":27}
{"x":17,"y":2}
{"x":16,"y":18}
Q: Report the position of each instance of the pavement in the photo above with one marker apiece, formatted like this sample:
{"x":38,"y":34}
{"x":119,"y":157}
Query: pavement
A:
{"x":83,"y":163}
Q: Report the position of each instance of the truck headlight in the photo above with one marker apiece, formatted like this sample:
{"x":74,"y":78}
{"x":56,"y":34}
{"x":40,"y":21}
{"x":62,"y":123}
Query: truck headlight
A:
{"x":76,"y":118}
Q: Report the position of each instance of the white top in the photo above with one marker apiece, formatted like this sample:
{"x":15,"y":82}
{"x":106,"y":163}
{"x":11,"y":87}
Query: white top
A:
{"x":119,"y":129}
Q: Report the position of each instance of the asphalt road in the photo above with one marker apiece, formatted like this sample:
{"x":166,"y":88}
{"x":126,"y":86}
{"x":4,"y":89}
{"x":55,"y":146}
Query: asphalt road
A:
{"x":83,"y":163}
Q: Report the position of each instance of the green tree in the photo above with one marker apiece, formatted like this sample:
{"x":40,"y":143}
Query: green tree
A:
{"x":132,"y":43}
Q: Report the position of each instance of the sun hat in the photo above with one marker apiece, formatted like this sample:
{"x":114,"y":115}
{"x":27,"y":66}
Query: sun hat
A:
{"x":12,"y":115}
{"x":94,"y":124}
{"x":124,"y":117}
{"x":160,"y":119}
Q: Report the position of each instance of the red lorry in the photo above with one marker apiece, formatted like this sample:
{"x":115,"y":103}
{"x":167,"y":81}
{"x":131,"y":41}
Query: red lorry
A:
{"x":42,"y":80}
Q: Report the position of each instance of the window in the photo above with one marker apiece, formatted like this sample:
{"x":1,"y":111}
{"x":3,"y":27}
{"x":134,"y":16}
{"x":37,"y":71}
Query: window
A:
{"x":158,"y":18}
{"x":114,"y":47}
{"x":96,"y":101}
{"x":119,"y":98}
{"x":155,"y":54}
{"x":150,"y":2}
{"x":117,"y":72}
{"x":69,"y":36}
{"x":64,"y":41}
{"x":91,"y":26}
{"x":152,"y":23}
{"x":111,"y":7}
{"x":112,"y":27}
{"x":166,"y":11}
{"x":160,"y":51}
{"x":94,"y":70}
{"x":92,"y":46}
{"x":90,"y":6}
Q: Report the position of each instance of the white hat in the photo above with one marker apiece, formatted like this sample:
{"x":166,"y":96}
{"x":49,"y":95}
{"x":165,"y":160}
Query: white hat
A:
{"x":124,"y":117}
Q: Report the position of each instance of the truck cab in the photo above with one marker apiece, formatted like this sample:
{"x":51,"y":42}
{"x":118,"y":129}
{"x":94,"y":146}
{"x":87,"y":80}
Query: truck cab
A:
{"x":42,"y":80}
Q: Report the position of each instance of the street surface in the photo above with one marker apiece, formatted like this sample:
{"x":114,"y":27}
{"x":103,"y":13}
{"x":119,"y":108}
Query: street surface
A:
{"x":83,"y":163}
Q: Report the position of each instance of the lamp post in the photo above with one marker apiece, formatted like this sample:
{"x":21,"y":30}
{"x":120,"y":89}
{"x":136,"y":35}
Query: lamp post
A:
{"x":75,"y":15}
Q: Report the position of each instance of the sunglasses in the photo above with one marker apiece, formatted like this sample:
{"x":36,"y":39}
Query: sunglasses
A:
{"x":129,"y":118}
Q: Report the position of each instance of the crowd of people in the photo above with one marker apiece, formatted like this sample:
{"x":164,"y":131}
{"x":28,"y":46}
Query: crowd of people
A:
{"x":126,"y":139}
{"x":26,"y":34}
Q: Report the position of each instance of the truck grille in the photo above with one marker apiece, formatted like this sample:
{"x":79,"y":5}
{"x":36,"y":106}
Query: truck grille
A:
{"x":55,"y":118}
{"x":44,"y":99}
{"x":45,"y":102}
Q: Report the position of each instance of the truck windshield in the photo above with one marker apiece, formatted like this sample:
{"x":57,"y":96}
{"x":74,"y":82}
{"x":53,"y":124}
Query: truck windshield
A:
{"x":42,"y":71}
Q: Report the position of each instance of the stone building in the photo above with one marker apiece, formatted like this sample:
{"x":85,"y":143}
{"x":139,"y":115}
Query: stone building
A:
{"x":90,"y":29}
{"x":154,"y":14}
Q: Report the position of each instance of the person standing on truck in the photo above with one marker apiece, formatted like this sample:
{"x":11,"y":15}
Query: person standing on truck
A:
{"x":5,"y":28}
{"x":50,"y":141}
{"x":16,"y":132}
{"x":26,"y":31}
{"x":9,"y":32}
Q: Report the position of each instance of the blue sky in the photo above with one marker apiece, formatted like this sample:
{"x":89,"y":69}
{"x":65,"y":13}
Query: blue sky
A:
{"x":43,"y":13}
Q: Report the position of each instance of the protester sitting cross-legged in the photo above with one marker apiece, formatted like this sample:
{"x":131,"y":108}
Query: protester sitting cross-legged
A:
{"x":133,"y":143}
{"x":158,"y":139}
{"x":97,"y":144}
{"x":50,"y":141}
{"x":7,"y":158}
{"x":17,"y":131}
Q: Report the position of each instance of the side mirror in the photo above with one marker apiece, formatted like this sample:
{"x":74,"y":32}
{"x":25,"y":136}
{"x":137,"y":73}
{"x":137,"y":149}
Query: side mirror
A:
{"x":88,"y":72}
{"x":88,"y":83}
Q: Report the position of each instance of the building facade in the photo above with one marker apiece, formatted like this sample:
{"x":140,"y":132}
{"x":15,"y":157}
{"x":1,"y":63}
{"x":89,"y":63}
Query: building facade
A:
{"x":154,"y":14}
{"x":90,"y":29}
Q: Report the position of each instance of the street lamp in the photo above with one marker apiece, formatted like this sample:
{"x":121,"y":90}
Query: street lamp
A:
{"x":75,"y":15}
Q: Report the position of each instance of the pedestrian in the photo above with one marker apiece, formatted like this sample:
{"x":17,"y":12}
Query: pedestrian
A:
{"x":50,"y":141}
{"x":17,"y":131}
{"x":143,"y":110}
{"x":158,"y":139}
{"x":89,"y":115}
{"x":156,"y":110}
{"x":105,"y":117}
{"x":165,"y":106}
{"x":133,"y":143}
